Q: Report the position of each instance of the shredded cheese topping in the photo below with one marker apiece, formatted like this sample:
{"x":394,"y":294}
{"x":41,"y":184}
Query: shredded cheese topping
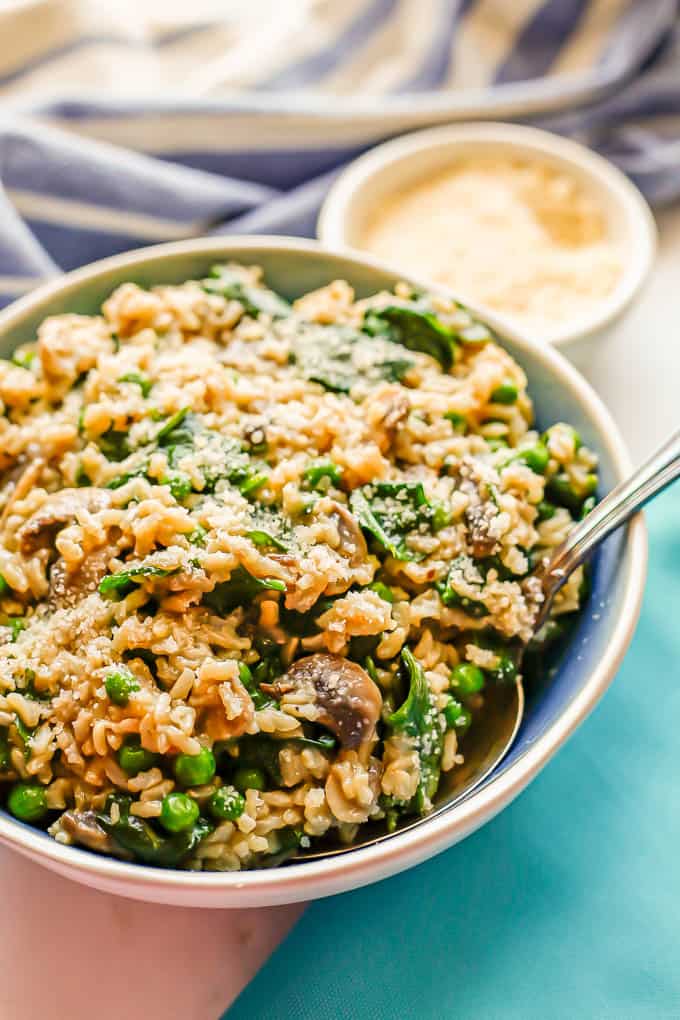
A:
{"x":521,"y":238}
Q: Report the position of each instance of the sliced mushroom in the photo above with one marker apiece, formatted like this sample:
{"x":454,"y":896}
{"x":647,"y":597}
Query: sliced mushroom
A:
{"x":83,"y":827}
{"x":69,"y":586}
{"x":352,"y":542}
{"x":478,"y":519}
{"x":342,"y":695}
{"x":58,"y":510}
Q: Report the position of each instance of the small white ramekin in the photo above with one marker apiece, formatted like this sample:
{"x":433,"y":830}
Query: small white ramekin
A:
{"x":384,"y":171}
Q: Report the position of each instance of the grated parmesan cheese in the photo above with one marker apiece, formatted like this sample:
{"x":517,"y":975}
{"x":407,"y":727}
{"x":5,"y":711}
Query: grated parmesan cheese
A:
{"x":519,"y":237}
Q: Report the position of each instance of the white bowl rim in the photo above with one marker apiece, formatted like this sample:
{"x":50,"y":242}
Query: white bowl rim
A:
{"x":364,"y":865}
{"x":336,"y":211}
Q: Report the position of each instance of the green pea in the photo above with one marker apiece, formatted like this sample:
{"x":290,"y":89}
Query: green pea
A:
{"x":506,"y":393}
{"x":195,"y":769}
{"x":134,"y":758}
{"x":466,"y":679}
{"x":457,"y":717}
{"x":227,"y":803}
{"x":536,"y":458}
{"x":545,"y":510}
{"x":382,"y":590}
{"x":178,"y":812}
{"x":249,"y":779}
{"x":119,"y":687}
{"x":27,"y":802}
{"x":4,"y":587}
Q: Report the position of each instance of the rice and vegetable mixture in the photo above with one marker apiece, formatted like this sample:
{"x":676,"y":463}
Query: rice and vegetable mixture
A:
{"x":260,"y":563}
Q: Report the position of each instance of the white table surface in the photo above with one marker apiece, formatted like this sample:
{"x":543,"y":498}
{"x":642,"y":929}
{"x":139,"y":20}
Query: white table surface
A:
{"x":69,"y":952}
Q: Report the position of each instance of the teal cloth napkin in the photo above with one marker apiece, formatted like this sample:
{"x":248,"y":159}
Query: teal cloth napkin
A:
{"x":565,"y":906}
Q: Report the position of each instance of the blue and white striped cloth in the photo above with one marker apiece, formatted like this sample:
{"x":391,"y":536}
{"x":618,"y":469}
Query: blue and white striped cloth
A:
{"x":129,"y":123}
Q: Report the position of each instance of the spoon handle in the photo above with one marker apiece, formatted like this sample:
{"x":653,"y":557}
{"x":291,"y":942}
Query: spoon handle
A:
{"x":662,"y":468}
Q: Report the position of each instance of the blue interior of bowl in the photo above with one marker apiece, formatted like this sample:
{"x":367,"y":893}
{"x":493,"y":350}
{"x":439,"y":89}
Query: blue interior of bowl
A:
{"x":295,"y":272}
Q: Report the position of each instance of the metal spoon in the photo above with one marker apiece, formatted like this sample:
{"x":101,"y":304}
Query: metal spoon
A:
{"x":504,"y":706}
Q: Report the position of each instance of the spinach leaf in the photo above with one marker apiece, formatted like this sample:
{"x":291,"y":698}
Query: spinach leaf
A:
{"x":180,"y":484}
{"x":239,"y":590}
{"x":139,"y":838}
{"x":339,"y":357}
{"x":16,"y":624}
{"x":256,"y":300}
{"x":414,"y":325}
{"x":25,"y":734}
{"x":142,"y":381}
{"x":325,"y":742}
{"x":171,"y":433}
{"x":289,"y":841}
{"x":114,"y":444}
{"x":117,"y":586}
{"x":304,"y":624}
{"x":253,"y":482}
{"x":5,"y":760}
{"x":198,"y":536}
{"x":451,"y":597}
{"x":260,"y":699}
{"x":217,"y":457}
{"x":270,"y":529}
{"x":258,"y":751}
{"x":390,"y":511}
{"x":136,"y":472}
{"x":412,"y":716}
{"x":263,"y":538}
{"x":262,"y":752}
{"x":418,"y":718}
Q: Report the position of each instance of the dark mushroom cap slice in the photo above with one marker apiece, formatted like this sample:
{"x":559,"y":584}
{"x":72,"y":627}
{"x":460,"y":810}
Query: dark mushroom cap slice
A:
{"x":348,"y":701}
{"x":83,"y":827}
{"x":352,"y":542}
{"x":59,"y":510}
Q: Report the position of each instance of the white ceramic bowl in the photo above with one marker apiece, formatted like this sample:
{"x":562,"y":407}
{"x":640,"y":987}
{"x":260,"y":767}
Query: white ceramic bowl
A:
{"x":384,"y":171}
{"x":294,"y":266}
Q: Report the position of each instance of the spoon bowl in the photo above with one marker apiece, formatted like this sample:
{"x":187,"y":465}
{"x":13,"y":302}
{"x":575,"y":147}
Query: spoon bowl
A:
{"x":485,"y":747}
